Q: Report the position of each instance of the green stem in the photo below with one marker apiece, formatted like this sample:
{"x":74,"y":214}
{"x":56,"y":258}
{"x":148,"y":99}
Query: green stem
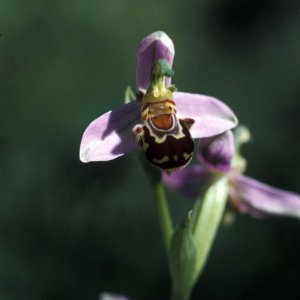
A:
{"x":177,"y":294}
{"x":164,"y":214}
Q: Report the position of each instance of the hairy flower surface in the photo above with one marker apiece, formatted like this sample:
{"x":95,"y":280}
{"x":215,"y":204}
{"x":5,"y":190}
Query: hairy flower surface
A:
{"x":247,"y":195}
{"x":161,"y":119}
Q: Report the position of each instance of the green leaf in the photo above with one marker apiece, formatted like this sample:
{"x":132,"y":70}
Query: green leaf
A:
{"x":206,"y":218}
{"x":182,"y":257}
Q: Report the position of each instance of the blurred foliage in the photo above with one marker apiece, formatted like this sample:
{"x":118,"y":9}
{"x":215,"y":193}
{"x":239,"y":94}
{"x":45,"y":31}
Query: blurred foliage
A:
{"x":70,"y":230}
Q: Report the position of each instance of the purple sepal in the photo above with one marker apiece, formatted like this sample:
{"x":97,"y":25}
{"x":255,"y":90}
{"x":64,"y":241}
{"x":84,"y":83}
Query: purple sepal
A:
{"x":259,"y":199}
{"x":190,"y":181}
{"x":217,"y":151}
{"x":153,"y":47}
{"x":110,"y":135}
{"x":211,"y":116}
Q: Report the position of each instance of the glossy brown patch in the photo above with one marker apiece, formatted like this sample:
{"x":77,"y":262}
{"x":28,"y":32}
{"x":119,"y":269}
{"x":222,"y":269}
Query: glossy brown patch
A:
{"x":171,"y":154}
{"x":163,"y":121}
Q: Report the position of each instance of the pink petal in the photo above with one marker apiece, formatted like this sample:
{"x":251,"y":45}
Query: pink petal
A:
{"x":190,"y":181}
{"x":261,"y":199}
{"x":110,"y":135}
{"x":217,"y":151}
{"x":153,"y":47}
{"x":211,"y":116}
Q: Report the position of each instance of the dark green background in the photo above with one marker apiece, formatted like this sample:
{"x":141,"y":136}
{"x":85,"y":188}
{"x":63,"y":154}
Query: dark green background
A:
{"x":70,"y":230}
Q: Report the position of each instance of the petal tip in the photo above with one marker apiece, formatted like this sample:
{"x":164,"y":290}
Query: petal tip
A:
{"x":83,"y":156}
{"x":157,"y":36}
{"x":259,"y":197}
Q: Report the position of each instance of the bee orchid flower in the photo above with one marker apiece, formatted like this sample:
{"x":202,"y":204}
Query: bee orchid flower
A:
{"x":220,"y":156}
{"x":161,"y":121}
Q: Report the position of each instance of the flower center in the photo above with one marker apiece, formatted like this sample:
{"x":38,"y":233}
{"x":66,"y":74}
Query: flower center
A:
{"x":163,"y":121}
{"x":165,"y":139}
{"x":158,"y":99}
